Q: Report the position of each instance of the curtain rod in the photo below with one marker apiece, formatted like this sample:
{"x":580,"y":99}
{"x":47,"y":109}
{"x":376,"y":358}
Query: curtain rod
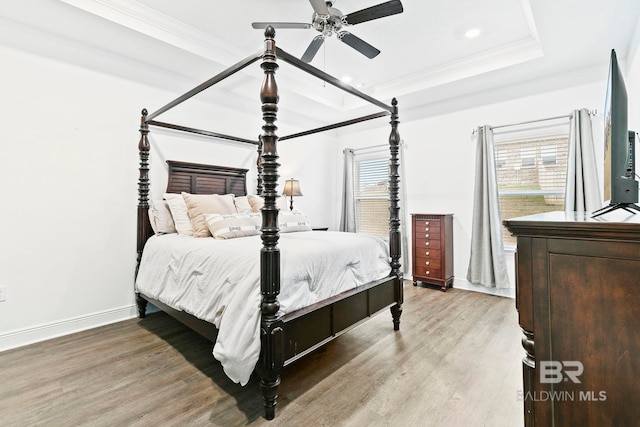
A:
{"x":566,"y":116}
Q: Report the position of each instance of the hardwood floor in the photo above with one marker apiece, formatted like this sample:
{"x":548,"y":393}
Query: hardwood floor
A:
{"x":456,"y":361}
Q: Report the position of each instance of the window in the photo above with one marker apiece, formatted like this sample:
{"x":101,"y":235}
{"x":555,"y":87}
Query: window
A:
{"x":531,"y":174}
{"x":372,"y":194}
{"x":528,"y":157}
{"x":549,"y":155}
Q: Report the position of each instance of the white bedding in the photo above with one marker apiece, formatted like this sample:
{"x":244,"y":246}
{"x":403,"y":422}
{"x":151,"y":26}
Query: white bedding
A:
{"x":219,"y":281}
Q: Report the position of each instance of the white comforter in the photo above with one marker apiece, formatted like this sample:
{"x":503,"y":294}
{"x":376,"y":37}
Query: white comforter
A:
{"x":219,"y":281}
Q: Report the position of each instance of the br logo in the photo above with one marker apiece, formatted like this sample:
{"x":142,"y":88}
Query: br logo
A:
{"x":554,"y":372}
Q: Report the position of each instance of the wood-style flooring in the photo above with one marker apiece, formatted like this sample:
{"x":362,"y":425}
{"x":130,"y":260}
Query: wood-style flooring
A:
{"x":456,"y":361}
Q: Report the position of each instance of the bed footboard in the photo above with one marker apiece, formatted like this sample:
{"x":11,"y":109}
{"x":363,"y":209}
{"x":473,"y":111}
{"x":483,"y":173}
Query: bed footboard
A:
{"x":314,"y":326}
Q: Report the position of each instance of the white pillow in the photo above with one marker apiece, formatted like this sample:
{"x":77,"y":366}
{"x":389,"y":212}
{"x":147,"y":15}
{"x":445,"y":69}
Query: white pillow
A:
{"x":199,"y":205}
{"x":180,"y":213}
{"x":290,"y":221}
{"x":242,"y":204}
{"x":162,"y":219}
{"x":234,"y":225}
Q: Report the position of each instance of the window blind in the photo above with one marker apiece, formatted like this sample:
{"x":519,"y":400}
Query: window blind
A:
{"x":372,"y":195}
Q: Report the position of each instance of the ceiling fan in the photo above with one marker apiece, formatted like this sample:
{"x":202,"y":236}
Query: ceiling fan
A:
{"x":328,"y":21}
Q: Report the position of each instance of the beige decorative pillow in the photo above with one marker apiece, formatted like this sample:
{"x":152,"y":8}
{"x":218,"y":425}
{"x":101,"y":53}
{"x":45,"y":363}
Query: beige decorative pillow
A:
{"x":292,"y":221}
{"x":234,"y":225}
{"x":152,"y":220}
{"x":162,"y":219}
{"x":199,"y":205}
{"x":180,"y":213}
{"x":256,"y":202}
{"x":242,"y":204}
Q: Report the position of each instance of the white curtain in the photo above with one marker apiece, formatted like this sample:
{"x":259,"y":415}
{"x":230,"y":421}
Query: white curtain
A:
{"x":487,"y":265}
{"x":348,"y":216}
{"x":582,"y":193}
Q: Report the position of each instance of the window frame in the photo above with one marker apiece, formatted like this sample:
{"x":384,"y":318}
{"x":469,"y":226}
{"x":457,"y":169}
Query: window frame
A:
{"x":380,"y":155}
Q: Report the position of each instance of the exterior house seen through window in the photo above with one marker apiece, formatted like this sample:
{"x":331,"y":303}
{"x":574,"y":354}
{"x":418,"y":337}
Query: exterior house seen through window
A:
{"x":531,"y":174}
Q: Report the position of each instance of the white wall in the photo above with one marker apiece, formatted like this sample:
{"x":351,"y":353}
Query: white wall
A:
{"x":70,"y":170}
{"x":69,"y":145}
{"x":632,"y":80}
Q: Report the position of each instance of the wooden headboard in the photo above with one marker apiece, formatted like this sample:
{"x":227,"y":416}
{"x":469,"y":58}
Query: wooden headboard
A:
{"x":197,"y":178}
{"x":191,"y":178}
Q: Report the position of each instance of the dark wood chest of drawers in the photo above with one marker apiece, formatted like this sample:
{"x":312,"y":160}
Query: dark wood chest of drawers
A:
{"x":578,"y":302}
{"x":432,"y":249}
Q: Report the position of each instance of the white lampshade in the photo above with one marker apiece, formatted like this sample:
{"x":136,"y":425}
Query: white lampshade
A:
{"x":291,"y":188}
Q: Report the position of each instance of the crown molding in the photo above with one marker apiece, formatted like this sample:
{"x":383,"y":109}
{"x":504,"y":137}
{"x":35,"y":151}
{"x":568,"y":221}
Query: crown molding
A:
{"x":151,"y":23}
{"x":494,"y":59}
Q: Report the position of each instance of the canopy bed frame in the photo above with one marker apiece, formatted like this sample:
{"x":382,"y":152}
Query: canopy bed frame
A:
{"x":284,"y":338}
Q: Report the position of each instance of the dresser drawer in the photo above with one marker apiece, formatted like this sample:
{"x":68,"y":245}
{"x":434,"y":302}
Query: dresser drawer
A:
{"x":428,"y":272}
{"x":429,"y":234}
{"x":426,"y":254}
{"x":427,"y":262}
{"x":426,"y":243}
{"x":432,"y":227}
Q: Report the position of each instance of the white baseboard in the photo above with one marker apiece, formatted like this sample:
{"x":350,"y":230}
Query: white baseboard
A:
{"x":468,"y":286}
{"x":22,"y":337}
{"x":464,"y":284}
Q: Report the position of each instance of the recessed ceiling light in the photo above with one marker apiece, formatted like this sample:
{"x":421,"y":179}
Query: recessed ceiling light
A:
{"x":472,"y":33}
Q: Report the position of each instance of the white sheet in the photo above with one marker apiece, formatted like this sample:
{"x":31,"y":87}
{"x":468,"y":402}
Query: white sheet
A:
{"x":219,"y":281}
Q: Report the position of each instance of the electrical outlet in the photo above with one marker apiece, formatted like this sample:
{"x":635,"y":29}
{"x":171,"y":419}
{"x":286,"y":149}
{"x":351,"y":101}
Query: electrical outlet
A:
{"x":3,"y":293}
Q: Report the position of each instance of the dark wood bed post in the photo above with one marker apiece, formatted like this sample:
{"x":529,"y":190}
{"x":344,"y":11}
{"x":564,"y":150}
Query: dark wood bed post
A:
{"x":143,"y":201}
{"x":260,"y":186}
{"x":395,"y":247}
{"x":271,"y":326}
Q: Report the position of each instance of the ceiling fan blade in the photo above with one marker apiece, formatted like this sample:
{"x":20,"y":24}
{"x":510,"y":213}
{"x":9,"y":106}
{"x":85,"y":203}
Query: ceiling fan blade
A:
{"x":262,"y":25}
{"x":358,"y":44}
{"x":320,"y":7}
{"x":374,"y":12}
{"x":312,"y":49}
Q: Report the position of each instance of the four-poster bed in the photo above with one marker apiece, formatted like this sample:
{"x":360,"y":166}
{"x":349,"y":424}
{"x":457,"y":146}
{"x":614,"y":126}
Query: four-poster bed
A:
{"x":283,"y":336}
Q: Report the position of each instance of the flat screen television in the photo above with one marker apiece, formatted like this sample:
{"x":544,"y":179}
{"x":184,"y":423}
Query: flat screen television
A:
{"x":620,"y":186}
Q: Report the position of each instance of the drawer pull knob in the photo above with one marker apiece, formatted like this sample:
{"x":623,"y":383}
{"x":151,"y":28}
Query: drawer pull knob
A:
{"x":426,"y":229}
{"x":428,"y":262}
{"x":428,"y":272}
{"x":426,"y":243}
{"x":426,"y":235}
{"x":427,"y":253}
{"x":426,"y":223}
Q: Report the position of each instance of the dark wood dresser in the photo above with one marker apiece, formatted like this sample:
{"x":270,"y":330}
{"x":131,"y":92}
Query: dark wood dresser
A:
{"x":578,"y":302}
{"x":432,"y":249}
